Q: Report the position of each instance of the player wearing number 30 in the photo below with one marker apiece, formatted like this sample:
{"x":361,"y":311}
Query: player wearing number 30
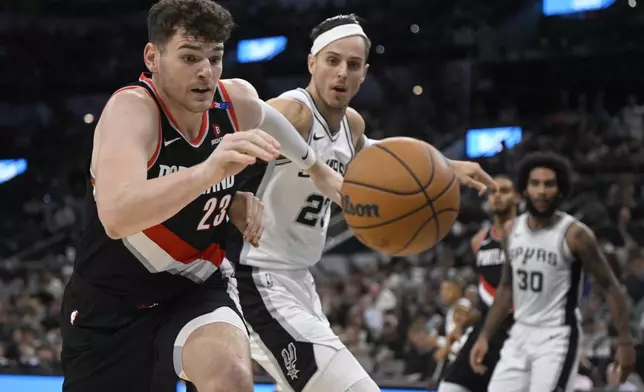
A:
{"x":542,"y":278}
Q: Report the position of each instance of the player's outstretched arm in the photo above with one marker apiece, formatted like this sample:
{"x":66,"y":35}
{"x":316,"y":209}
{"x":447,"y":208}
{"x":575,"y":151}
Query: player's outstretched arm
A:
{"x":582,"y":242}
{"x":126,"y":137}
{"x":261,"y":115}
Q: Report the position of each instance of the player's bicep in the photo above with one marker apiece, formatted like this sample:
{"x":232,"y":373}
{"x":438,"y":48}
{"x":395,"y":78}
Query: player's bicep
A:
{"x":295,"y":112}
{"x":583,"y":244}
{"x":126,"y":138}
{"x":357,"y":128}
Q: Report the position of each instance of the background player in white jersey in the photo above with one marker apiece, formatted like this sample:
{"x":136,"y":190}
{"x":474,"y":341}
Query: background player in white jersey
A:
{"x":547,"y":249}
{"x":291,"y":337}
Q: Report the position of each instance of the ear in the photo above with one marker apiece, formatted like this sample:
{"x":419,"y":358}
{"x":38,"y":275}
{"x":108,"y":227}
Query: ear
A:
{"x":364,"y":74}
{"x":310,"y":61}
{"x":151,"y":56}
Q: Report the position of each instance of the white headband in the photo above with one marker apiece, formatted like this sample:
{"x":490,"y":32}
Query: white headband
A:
{"x":336,"y":33}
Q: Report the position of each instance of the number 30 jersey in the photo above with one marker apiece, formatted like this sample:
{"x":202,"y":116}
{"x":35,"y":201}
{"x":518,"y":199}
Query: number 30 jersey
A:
{"x":296,"y":213}
{"x":546,"y":276}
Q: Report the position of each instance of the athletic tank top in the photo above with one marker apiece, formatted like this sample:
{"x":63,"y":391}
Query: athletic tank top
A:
{"x":546,"y":276}
{"x":297,"y":215}
{"x":489,"y":263}
{"x":165,"y":260}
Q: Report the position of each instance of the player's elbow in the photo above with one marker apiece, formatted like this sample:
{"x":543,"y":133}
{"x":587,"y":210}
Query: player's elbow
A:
{"x":111,"y":220}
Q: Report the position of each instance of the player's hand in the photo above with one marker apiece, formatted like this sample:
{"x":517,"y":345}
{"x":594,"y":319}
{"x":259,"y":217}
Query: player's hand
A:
{"x":238,"y":150}
{"x":479,"y":350}
{"x":328,"y":181}
{"x":624,"y":361}
{"x":473,"y":176}
{"x":246,"y":212}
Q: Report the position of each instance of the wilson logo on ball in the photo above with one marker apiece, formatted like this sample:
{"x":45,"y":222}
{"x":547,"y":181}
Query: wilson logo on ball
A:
{"x":369,"y":210}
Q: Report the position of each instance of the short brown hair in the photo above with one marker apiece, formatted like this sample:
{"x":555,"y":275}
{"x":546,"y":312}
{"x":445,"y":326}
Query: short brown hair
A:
{"x":200,"y":19}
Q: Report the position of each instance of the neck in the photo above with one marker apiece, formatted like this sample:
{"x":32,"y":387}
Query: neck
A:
{"x":188,"y":122}
{"x":539,"y":223}
{"x":332,"y":116}
{"x":501,"y":219}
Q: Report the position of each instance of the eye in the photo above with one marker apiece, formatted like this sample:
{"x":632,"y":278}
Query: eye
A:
{"x":332,"y":60}
{"x":215,"y":60}
{"x":188,"y":58}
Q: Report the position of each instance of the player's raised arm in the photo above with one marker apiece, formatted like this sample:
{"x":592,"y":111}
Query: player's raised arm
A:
{"x":127,"y":137}
{"x":582,"y":242}
{"x":260,"y":115}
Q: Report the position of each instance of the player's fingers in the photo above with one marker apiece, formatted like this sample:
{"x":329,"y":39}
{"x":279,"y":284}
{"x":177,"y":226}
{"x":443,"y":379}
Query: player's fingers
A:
{"x":268,"y":138}
{"x":258,"y":218}
{"x":486,"y":179}
{"x":480,"y":187}
{"x":262,"y":140}
{"x":238,"y":157}
{"x":247,"y":147}
{"x":258,"y":236}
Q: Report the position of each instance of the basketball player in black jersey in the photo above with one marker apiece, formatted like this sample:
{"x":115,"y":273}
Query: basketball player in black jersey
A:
{"x":148,"y":301}
{"x":486,"y":245}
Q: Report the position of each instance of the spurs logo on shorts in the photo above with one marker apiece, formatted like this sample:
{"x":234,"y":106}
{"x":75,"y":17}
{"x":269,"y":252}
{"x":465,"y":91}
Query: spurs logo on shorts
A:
{"x":290,"y":359}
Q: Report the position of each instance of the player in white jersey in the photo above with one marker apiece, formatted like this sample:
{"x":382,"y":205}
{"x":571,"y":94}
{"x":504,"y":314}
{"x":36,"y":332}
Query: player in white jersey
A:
{"x":546,"y":250}
{"x":290,"y":335}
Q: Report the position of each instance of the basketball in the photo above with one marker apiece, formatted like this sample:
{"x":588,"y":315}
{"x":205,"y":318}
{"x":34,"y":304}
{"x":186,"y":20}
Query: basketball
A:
{"x":400,"y":196}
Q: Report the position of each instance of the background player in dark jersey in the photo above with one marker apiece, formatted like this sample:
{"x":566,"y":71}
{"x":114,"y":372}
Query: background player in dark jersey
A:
{"x":486,"y":246}
{"x":542,"y":283}
{"x":147,"y":301}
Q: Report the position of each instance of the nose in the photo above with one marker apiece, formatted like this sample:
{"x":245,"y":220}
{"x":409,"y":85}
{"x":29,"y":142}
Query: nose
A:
{"x":205,"y":70}
{"x":343,"y":70}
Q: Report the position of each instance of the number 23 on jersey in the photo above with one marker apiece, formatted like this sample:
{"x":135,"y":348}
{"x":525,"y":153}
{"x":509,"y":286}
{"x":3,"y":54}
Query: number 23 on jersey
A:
{"x":215,"y":211}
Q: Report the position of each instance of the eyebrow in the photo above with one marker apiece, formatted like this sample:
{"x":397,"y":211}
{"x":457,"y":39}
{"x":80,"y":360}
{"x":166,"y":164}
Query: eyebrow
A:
{"x":350,"y":58}
{"x":218,"y":48}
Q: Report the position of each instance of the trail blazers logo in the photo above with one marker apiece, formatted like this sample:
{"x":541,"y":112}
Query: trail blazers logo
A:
{"x":290,"y":359}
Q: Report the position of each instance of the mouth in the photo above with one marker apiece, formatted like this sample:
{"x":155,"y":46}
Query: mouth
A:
{"x":339,"y":89}
{"x":203,"y":90}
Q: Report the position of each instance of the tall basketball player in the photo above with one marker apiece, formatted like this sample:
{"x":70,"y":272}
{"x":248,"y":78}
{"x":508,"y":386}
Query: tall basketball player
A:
{"x":542,"y":279}
{"x":486,"y":245}
{"x":290,"y":335}
{"x":147,"y":301}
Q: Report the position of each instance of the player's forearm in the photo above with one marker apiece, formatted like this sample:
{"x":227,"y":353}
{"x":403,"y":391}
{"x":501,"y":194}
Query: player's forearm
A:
{"x":498,"y":312}
{"x":619,"y":308}
{"x":292,"y":144}
{"x":135,"y":207}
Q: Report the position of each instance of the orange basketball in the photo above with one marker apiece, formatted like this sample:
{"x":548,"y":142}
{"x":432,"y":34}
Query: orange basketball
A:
{"x":400,"y":196}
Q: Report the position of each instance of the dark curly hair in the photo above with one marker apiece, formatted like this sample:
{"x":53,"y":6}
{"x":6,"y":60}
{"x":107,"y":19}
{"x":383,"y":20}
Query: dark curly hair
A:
{"x":338,"y":20}
{"x":555,"y":162}
{"x":201,"y":19}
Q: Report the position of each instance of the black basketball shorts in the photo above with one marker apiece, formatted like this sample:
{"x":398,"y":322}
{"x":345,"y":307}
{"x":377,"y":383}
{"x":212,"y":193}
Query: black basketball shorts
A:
{"x":108,"y":347}
{"x":459,"y":370}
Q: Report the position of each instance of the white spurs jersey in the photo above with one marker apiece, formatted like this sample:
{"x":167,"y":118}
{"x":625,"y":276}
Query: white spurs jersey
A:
{"x":546,"y":277}
{"x":296,"y":213}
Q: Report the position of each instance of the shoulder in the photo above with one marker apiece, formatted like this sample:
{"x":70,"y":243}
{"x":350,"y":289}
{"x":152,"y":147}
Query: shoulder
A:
{"x":356,"y":123}
{"x":579,"y":237}
{"x":297,"y":113}
{"x":133,"y":99}
{"x":130,"y":113}
{"x":239,"y":88}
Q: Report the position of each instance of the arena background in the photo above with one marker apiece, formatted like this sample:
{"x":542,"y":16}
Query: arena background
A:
{"x":464,"y":75}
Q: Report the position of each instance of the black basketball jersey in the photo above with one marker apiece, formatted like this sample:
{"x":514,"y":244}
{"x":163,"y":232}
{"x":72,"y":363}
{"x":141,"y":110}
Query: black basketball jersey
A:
{"x":165,"y":260}
{"x":489,"y":263}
